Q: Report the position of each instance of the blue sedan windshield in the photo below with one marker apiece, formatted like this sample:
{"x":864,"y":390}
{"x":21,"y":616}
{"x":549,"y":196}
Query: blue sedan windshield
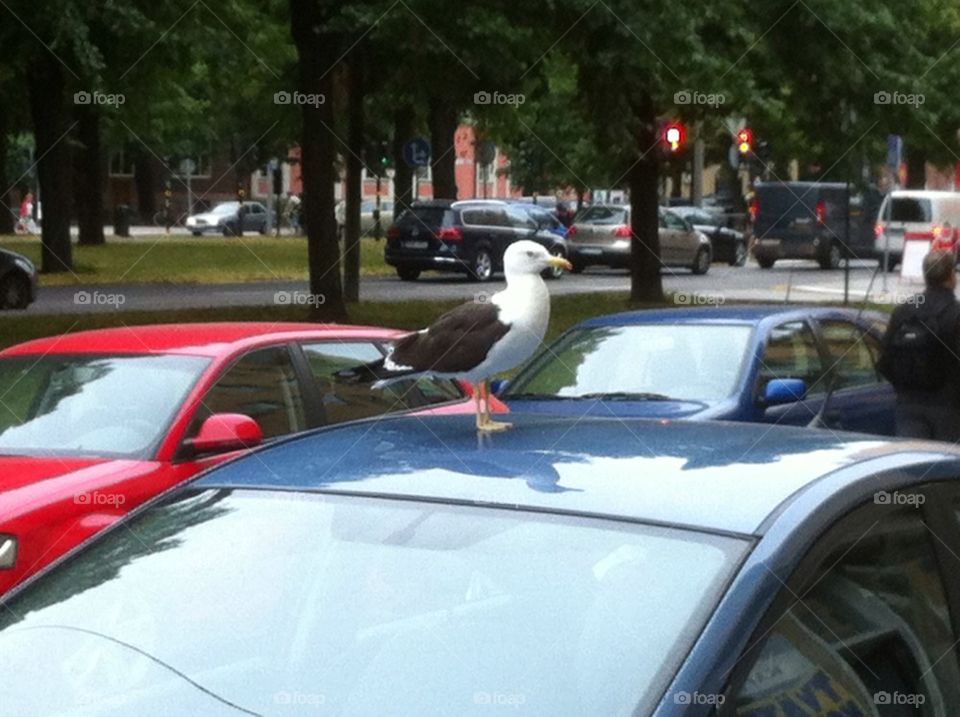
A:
{"x":301,"y":603}
{"x":697,"y":362}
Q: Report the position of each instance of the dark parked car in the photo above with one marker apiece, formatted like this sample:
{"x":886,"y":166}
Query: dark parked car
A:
{"x":18,"y":280}
{"x":607,"y":567}
{"x":808,"y":220}
{"x":467,"y":236}
{"x":728,"y":245}
{"x":762,"y":364}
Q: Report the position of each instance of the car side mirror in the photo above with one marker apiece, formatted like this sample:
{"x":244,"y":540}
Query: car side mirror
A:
{"x":498,"y":386}
{"x":780,"y":391}
{"x":225,"y":432}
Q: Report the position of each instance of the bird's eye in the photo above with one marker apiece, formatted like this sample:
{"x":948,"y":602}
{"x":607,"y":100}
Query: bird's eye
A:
{"x":531,"y":253}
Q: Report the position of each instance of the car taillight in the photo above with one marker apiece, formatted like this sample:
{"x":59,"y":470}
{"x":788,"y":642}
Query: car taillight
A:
{"x":621,"y":231}
{"x":878,"y":229}
{"x":821,"y":212}
{"x":393,"y":232}
{"x":754,"y":209}
{"x":572,"y":230}
{"x":453,"y":233}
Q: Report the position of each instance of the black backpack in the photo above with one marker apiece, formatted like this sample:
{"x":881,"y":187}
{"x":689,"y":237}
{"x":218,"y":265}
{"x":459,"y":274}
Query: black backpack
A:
{"x":919,"y":353}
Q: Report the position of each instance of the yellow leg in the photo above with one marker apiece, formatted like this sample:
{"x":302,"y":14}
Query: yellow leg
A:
{"x":486,"y":423}
{"x":476,"y":405}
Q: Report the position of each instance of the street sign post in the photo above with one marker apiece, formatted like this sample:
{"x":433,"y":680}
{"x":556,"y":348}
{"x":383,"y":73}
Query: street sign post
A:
{"x":416,"y":152}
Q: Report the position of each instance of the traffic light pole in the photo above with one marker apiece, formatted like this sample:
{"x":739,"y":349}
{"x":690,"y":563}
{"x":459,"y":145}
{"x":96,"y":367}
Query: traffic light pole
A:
{"x":699,"y":150}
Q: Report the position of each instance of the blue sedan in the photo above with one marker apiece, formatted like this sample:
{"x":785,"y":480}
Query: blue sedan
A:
{"x":764,"y":364}
{"x":565,"y":567}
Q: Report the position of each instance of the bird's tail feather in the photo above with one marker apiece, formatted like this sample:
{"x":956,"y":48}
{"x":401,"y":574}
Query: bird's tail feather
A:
{"x":376,"y":374}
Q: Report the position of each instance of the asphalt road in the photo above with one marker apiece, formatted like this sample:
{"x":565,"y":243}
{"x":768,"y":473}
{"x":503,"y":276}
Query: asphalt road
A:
{"x":803,"y":281}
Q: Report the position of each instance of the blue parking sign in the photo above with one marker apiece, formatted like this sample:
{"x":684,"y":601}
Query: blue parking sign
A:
{"x":416,"y":152}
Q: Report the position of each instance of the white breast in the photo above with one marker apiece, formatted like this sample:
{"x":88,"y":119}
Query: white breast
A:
{"x":525,"y":306}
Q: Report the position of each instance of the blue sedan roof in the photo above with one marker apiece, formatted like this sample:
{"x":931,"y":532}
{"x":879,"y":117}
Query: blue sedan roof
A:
{"x":741,"y":313}
{"x":726,"y":477}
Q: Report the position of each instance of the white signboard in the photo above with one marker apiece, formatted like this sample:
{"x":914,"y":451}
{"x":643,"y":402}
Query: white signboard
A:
{"x":911,"y":268}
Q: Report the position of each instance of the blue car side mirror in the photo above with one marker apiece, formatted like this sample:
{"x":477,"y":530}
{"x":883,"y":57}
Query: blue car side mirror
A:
{"x":784,"y":390}
{"x":498,"y":386}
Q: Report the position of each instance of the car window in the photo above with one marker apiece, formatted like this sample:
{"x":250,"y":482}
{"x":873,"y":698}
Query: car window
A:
{"x":864,"y":627}
{"x":791,"y":352}
{"x":91,"y":405}
{"x":519,"y":219}
{"x":672,"y":221}
{"x":908,"y":209}
{"x":603,"y":215}
{"x":853,"y":352}
{"x":289,"y":603}
{"x":262,"y":385}
{"x":680,"y":361}
{"x":345,"y":398}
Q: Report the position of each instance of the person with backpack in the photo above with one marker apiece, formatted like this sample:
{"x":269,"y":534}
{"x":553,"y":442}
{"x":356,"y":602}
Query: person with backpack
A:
{"x":920,"y":355}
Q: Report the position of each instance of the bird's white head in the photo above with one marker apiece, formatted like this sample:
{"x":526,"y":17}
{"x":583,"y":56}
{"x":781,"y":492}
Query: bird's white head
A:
{"x":526,"y":257}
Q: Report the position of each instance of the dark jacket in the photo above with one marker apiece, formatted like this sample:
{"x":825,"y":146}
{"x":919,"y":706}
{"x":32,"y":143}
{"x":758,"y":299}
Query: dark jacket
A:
{"x":939,"y":307}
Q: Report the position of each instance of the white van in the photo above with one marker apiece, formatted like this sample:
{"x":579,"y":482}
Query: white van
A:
{"x":915,"y":214}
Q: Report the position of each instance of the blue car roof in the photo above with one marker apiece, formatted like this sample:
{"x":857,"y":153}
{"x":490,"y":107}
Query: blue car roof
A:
{"x":741,"y":313}
{"x":724,"y":477}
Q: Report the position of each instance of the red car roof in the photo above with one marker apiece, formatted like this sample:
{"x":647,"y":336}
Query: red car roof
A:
{"x":210,"y":339}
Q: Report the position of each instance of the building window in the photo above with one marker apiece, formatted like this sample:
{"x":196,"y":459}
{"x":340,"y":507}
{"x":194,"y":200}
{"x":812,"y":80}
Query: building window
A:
{"x":121,"y":164}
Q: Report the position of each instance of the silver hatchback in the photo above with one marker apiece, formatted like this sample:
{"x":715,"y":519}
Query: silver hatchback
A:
{"x":600,"y":235}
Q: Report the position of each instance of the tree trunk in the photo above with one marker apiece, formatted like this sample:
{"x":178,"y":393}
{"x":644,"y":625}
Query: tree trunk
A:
{"x":403,"y":173}
{"x":317,"y":53}
{"x":89,"y":177}
{"x":145,"y":180}
{"x":354,"y":189}
{"x":6,"y":212}
{"x":645,"y":281}
{"x":47,"y":108}
{"x":916,"y":170}
{"x":443,"y":122}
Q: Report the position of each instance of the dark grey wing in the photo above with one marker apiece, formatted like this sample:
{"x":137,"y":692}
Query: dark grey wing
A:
{"x":457,"y":341}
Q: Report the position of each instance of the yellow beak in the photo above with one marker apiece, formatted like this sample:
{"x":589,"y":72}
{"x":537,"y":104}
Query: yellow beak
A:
{"x":560,"y":263}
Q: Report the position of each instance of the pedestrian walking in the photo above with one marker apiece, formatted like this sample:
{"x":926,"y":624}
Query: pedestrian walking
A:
{"x":920,"y":355}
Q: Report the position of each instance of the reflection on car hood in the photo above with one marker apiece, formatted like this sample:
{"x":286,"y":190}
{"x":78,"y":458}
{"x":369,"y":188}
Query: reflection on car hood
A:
{"x":621,"y":408}
{"x":16,"y":471}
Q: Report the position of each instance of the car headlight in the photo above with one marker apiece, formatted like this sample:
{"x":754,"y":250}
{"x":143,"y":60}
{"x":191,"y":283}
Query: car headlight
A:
{"x":8,"y":551}
{"x":26,"y":265}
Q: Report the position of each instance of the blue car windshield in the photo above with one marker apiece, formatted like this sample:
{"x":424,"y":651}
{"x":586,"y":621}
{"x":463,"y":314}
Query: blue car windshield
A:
{"x":696,"y":362}
{"x":338,"y":605}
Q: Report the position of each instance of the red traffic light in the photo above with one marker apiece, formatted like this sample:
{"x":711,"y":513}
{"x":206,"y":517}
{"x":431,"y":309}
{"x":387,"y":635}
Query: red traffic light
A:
{"x":745,"y":140}
{"x":674,"y":134}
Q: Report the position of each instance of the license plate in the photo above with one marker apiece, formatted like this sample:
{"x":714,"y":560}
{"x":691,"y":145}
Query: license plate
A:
{"x":415,"y":245}
{"x":592,"y":251}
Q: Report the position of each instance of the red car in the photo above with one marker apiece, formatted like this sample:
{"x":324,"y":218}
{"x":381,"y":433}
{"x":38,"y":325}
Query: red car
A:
{"x":94,"y":423}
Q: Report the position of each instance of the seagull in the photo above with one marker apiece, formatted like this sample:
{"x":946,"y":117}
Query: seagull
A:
{"x":484,"y":337}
